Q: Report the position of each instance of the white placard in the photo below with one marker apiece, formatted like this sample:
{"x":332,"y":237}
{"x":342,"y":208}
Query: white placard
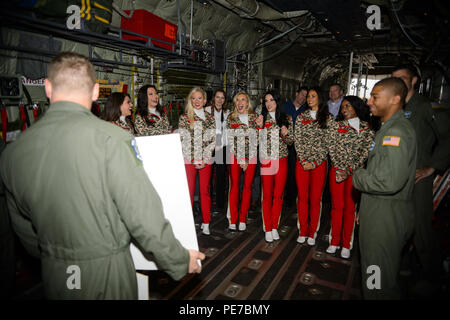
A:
{"x":163,"y":161}
{"x":142,"y":283}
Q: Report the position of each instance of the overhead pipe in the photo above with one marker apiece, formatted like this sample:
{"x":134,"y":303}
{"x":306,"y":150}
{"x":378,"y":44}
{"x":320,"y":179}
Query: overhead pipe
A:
{"x":256,"y":10}
{"x":190,"y":29}
{"x":278,"y":52}
{"x":365,"y":84}
{"x":179,"y":23}
{"x":277,"y":37}
{"x":358,"y":82}
{"x":349,"y":82}
{"x":122,"y":13}
{"x":252,"y":9}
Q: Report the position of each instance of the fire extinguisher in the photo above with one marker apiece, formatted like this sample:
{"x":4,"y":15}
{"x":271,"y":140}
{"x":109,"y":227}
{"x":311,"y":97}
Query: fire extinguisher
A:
{"x":24,"y":117}
{"x":4,"y":117}
{"x":35,"y":110}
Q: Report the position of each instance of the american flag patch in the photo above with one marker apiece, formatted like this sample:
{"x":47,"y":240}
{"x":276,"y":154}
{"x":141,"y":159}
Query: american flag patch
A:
{"x":391,"y":141}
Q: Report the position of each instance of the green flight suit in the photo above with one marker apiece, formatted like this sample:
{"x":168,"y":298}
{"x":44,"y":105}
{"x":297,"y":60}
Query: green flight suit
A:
{"x":386,"y":211}
{"x":433,"y":150}
{"x":77,"y":193}
{"x":7,"y":257}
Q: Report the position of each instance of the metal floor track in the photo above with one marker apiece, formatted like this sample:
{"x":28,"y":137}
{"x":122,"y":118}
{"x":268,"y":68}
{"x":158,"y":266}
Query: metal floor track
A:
{"x":242,"y":266}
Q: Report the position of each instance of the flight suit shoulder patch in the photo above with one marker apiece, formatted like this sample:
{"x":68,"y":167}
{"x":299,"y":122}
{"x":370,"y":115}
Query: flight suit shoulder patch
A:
{"x":135,"y":149}
{"x":435,"y":105}
{"x":391,"y":141}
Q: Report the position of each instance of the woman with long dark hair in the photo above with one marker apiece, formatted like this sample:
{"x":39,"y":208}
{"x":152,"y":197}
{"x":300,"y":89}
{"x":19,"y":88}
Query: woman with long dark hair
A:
{"x":150,"y":118}
{"x":311,"y":132}
{"x":220,"y":112}
{"x":276,"y":135}
{"x":197,"y":132}
{"x":117,"y":110}
{"x":349,"y":144}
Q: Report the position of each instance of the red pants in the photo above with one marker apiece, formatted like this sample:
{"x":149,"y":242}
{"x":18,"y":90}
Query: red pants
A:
{"x":235,"y":177}
{"x":343,"y":198}
{"x":310,"y":184}
{"x":272,"y":189}
{"x":204,"y":178}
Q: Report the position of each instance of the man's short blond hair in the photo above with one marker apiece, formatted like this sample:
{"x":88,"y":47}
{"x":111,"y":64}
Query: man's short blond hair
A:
{"x":70,"y":71}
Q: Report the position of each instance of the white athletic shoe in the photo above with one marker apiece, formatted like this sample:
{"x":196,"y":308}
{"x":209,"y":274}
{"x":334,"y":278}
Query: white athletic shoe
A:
{"x":345,"y":253}
{"x":332,"y":249}
{"x":269,"y":237}
{"x":232,"y":227}
{"x":206,"y":229}
{"x":275,"y":234}
{"x":242,"y":226}
{"x":301,"y":240}
{"x":311,"y":241}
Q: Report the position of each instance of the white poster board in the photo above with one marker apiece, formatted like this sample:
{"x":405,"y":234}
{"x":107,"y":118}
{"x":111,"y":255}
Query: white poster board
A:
{"x":164,"y":163}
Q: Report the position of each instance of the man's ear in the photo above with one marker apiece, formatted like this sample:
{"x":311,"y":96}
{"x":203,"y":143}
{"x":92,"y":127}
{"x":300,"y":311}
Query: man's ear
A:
{"x":48,"y":88}
{"x":414,"y":81}
{"x":396,"y":99}
{"x":95,"y":91}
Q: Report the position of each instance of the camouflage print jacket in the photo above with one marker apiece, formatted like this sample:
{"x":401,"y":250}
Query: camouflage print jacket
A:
{"x":198,"y":143}
{"x":124,"y":125}
{"x":158,"y":125}
{"x":243,"y":139}
{"x":310,"y":140}
{"x":348,"y":148}
{"x":270,"y":137}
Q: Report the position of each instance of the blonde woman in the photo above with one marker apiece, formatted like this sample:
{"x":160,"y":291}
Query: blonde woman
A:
{"x":197,"y":129}
{"x":243,"y":141}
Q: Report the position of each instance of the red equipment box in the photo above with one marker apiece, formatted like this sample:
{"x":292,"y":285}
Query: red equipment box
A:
{"x":146,"y":23}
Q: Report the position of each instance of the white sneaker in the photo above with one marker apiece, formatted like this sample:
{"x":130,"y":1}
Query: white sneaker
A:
{"x":301,"y":239}
{"x":232,"y":227}
{"x":332,"y":249}
{"x":242,"y":226}
{"x":269,"y":237}
{"x":345,"y":253}
{"x":206,"y":229}
{"x":275,"y":234}
{"x":311,"y":241}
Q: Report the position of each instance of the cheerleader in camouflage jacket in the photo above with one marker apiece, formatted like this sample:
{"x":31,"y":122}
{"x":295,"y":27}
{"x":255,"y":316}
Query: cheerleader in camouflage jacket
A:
{"x":349,"y":144}
{"x":197,"y":129}
{"x":276,"y":134}
{"x":150,"y":118}
{"x":311,"y":132}
{"x":117,"y":110}
{"x":243,"y":145}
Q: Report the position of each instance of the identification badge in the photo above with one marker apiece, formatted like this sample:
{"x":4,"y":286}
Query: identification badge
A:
{"x":391,"y":141}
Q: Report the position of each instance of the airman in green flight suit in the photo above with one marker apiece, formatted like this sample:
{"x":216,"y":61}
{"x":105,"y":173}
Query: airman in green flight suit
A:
{"x":77,"y":193}
{"x":431,"y":123}
{"x":386,"y":211}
